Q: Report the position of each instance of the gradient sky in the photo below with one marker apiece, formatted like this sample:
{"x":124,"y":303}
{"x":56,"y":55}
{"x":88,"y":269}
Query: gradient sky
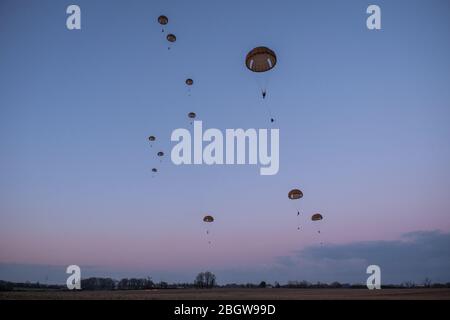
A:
{"x":363,"y":117}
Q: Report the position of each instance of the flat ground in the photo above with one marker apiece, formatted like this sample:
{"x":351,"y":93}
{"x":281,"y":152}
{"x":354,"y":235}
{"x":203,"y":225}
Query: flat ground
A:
{"x":234,"y":294}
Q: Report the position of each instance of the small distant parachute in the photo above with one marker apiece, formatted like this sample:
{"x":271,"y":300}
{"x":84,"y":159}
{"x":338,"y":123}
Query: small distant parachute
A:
{"x":151,"y":139}
{"x":295,"y":194}
{"x":171,"y":37}
{"x":261,"y":59}
{"x":192,"y":115}
{"x":163,"y":20}
{"x":189,"y":82}
{"x":208,"y":219}
{"x":154,"y":170}
{"x":316,"y":217}
{"x":160,"y":154}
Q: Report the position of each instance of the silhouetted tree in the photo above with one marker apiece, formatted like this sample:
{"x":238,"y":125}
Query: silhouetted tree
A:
{"x":205,"y":280}
{"x":6,"y":286}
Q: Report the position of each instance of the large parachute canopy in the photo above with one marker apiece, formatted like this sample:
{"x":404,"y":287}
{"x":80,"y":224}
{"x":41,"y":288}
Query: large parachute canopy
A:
{"x":260,"y":59}
{"x":316,"y":217}
{"x":295,"y":194}
{"x":208,"y":219}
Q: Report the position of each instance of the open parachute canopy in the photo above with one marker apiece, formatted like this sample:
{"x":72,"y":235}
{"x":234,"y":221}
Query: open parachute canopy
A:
{"x":154,"y":170}
{"x":261,"y":59}
{"x":189,"y":82}
{"x":316,"y":217}
{"x":171,"y":37}
{"x":163,"y":20}
{"x":152,"y":138}
{"x":192,"y":115}
{"x":208,"y":219}
{"x":295,"y":194}
{"x":160,"y":154}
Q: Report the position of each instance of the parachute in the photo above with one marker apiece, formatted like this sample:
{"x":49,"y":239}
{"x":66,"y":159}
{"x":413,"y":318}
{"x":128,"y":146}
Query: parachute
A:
{"x":160,"y":154}
{"x":163,"y":20}
{"x":261,"y":59}
{"x":317,"y":217}
{"x":171,"y":37}
{"x":192,"y":115}
{"x":208,"y":219}
{"x":295,"y":194}
{"x":151,"y":139}
{"x":189,"y":82}
{"x":154,"y":170}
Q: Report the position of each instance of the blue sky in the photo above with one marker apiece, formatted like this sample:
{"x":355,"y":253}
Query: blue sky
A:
{"x":363,"y":118}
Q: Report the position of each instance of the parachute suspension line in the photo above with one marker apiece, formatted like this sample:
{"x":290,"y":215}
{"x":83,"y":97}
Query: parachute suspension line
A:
{"x":266,"y":80}
{"x":269,"y":110}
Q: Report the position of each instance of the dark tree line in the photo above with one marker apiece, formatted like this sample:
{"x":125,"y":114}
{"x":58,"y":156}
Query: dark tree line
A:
{"x":204,"y":280}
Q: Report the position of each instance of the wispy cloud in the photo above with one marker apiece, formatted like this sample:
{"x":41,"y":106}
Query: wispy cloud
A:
{"x":413,"y":257}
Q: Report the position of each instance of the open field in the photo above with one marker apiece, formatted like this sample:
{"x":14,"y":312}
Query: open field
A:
{"x":234,"y":294}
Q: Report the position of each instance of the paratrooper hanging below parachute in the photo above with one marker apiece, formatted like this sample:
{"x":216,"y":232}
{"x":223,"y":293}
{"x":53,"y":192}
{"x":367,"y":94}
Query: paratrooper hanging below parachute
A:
{"x":260,"y":60}
{"x":163,"y":20}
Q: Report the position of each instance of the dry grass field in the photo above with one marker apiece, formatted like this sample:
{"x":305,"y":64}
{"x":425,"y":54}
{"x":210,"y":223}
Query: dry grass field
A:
{"x":235,"y":294}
